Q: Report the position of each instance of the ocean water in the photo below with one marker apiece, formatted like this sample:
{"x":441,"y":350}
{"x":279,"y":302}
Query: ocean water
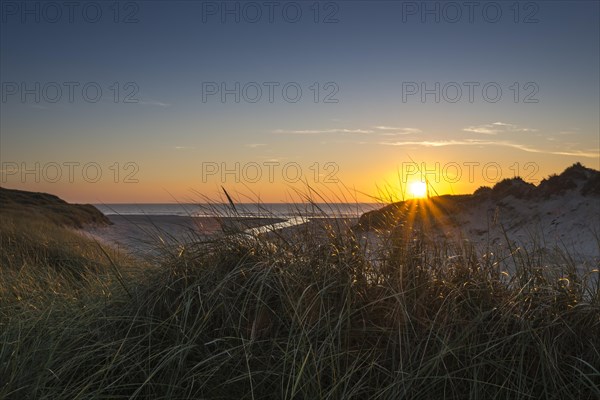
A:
{"x":278,"y":210}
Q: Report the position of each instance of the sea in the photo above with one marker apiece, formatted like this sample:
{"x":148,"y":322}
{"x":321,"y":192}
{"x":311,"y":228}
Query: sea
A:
{"x":266,"y":210}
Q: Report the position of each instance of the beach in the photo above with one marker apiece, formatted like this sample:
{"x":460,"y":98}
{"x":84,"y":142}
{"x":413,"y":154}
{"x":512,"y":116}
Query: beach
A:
{"x":143,"y":235}
{"x":200,"y":293}
{"x":147,"y":234}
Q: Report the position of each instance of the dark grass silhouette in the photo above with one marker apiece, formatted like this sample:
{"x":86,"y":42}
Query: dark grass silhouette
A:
{"x":304,"y":314}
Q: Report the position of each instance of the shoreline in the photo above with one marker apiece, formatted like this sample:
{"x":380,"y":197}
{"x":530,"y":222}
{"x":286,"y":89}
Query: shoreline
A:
{"x":139,"y":234}
{"x":148,"y":235}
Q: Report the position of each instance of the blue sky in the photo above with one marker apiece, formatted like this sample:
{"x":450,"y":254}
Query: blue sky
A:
{"x":363,"y":58}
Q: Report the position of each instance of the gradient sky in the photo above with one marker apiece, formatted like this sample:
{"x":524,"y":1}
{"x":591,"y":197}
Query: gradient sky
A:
{"x":368,"y":51}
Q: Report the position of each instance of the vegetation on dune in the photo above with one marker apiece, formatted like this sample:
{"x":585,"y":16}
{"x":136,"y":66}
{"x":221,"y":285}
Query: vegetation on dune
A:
{"x":585,"y":181}
{"x":30,"y":205}
{"x":306,"y":315}
{"x":40,"y":261}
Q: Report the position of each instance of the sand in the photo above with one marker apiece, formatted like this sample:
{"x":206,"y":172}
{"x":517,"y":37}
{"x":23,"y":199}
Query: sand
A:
{"x":146,"y":234}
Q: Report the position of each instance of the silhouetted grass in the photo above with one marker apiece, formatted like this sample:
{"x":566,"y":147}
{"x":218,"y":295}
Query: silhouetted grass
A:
{"x":307,"y":314}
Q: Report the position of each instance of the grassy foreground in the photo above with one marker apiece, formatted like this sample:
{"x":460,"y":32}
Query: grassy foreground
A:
{"x":301,"y":317}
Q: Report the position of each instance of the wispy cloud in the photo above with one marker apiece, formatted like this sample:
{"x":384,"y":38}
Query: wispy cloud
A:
{"x":323,"y":131}
{"x":184,"y":147}
{"x":476,"y":142}
{"x":396,"y":131}
{"x":497,"y":127}
{"x":255,"y":145}
{"x":271,"y":159}
{"x":376,"y":130}
{"x":154,"y":103}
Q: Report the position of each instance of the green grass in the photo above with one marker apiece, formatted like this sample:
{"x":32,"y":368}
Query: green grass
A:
{"x":301,"y":317}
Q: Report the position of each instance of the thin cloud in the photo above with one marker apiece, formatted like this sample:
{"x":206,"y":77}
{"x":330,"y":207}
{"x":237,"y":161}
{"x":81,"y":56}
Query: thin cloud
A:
{"x":428,"y":143}
{"x":484,"y":129}
{"x":475,"y":142}
{"x":268,"y":159}
{"x":497,"y":127}
{"x":392,"y":131}
{"x":154,"y":103}
{"x":323,"y":131}
{"x":184,"y":147}
{"x":255,"y":145}
{"x":379,"y":130}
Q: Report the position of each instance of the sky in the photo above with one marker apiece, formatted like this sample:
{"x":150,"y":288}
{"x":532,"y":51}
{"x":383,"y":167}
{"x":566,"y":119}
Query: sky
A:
{"x":164,"y":101}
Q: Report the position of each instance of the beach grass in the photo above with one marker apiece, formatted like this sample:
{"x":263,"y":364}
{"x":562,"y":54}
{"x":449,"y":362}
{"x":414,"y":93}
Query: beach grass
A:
{"x":306,"y":315}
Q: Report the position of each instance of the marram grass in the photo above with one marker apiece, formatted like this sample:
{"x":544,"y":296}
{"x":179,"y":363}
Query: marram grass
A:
{"x":300,"y":316}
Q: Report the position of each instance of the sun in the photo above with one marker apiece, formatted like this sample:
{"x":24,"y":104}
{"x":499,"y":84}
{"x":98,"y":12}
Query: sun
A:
{"x":418,"y":189}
